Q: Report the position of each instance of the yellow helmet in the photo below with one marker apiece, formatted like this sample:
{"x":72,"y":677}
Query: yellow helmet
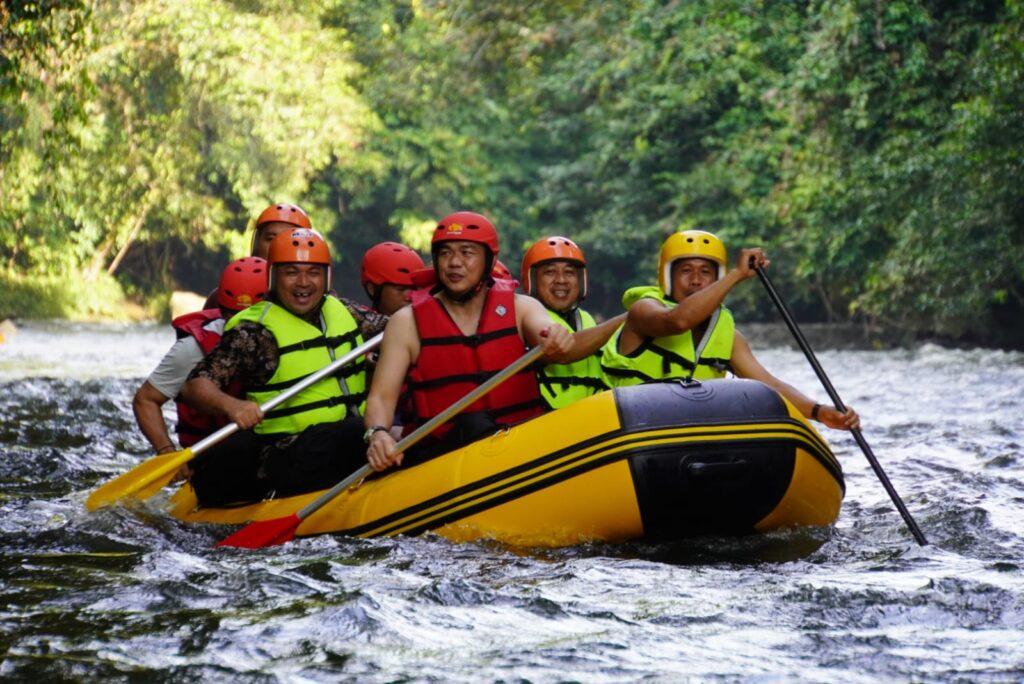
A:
{"x":689,"y":244}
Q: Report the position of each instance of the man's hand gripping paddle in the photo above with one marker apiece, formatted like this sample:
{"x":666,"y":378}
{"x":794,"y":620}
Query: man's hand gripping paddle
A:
{"x":280,"y":530}
{"x":148,"y":478}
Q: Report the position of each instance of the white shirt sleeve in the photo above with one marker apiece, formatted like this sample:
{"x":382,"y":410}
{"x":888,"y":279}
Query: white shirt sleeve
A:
{"x":172,"y":371}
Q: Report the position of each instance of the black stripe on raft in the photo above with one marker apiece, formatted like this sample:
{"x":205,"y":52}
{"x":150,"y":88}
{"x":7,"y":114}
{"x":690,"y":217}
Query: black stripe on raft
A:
{"x":567,"y":463}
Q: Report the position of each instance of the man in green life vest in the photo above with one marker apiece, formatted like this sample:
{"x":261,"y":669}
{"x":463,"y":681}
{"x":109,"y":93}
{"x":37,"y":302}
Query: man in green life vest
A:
{"x":680,"y":329}
{"x":554,"y":271}
{"x":314,"y":439}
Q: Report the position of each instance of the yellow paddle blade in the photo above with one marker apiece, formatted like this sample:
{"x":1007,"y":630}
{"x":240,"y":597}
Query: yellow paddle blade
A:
{"x":141,"y":482}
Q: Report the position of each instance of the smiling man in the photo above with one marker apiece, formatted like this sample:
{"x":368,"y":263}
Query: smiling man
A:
{"x":272,"y":221}
{"x":312,"y":440}
{"x":554,"y":271}
{"x":680,"y":329}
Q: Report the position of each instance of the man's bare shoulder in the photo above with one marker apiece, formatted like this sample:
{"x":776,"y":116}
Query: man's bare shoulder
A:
{"x":402,"y":326}
{"x":528,"y":303}
{"x":403,"y":316}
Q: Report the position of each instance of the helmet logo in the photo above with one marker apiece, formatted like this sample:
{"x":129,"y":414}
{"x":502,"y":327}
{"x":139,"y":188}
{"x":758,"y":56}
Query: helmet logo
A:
{"x":453,"y":228}
{"x":500,"y":310}
{"x":244,"y":300}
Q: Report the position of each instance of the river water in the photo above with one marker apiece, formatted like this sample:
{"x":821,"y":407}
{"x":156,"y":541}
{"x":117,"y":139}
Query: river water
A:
{"x":131,"y":595}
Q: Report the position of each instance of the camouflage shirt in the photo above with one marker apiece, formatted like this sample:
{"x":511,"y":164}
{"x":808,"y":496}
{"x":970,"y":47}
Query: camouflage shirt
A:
{"x":247,"y":354}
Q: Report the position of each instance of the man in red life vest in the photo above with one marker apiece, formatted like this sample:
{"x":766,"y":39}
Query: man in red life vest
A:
{"x":242,"y":284}
{"x":455,"y":336}
{"x":386,"y":275}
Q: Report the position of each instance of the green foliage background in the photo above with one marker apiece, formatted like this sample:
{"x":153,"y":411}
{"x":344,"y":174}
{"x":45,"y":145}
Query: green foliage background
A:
{"x":873,"y":148}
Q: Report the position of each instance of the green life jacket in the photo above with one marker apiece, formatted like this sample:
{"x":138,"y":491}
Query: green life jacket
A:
{"x":563,"y":383}
{"x":303,"y":349}
{"x":673,"y":356}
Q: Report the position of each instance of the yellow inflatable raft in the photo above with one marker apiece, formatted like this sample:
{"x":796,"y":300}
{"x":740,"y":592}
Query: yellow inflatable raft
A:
{"x":659,"y":462}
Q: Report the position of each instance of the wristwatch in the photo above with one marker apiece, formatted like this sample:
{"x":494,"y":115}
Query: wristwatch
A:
{"x":368,"y":435}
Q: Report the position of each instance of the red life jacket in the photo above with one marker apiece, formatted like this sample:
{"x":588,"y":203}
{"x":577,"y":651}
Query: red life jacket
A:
{"x":451,"y":365}
{"x":193,"y":425}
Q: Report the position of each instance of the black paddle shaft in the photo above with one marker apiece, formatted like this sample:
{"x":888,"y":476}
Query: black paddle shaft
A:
{"x":820,"y":372}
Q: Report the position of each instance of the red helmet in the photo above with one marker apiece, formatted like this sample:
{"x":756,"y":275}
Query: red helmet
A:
{"x":242,"y":284}
{"x":300,"y":246}
{"x":554,"y":248}
{"x":500,"y":270}
{"x":469,"y":226}
{"x":390,"y":262}
{"x":286,"y":213}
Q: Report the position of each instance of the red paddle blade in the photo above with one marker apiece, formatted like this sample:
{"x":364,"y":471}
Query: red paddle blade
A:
{"x":263,"y":533}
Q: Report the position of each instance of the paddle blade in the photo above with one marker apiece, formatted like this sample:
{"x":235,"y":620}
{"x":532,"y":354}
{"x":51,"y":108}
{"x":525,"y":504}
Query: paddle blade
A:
{"x":263,"y":533}
{"x":141,"y":482}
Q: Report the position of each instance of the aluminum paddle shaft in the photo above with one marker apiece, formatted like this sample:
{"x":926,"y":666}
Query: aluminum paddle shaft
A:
{"x":279,"y":530}
{"x":149,"y":477}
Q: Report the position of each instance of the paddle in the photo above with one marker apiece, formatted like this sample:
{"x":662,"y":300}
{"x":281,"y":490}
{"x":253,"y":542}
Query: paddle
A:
{"x":279,"y":530}
{"x":150,"y":477}
{"x":875,"y":465}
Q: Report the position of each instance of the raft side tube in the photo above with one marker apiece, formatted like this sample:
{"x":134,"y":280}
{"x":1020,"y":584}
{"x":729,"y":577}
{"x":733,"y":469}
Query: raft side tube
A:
{"x":732,"y":483}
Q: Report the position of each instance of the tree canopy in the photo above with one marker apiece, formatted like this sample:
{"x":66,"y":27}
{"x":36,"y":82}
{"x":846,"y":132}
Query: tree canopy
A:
{"x":874,"y":149}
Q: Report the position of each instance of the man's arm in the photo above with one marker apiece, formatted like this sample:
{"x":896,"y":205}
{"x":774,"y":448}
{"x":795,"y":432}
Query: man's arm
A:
{"x":589,"y":340}
{"x":163,"y":383}
{"x":648,"y":318}
{"x":370,"y":321}
{"x":537,"y":329}
{"x":398,"y":351}
{"x":746,"y":365}
{"x":202,"y":393}
{"x":147,"y":407}
{"x":248,"y":354}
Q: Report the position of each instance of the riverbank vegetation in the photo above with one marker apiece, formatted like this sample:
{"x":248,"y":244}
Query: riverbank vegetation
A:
{"x":874,"y":148}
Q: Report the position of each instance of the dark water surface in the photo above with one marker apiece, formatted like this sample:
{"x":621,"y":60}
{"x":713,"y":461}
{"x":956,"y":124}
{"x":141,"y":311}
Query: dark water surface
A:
{"x":131,"y":595}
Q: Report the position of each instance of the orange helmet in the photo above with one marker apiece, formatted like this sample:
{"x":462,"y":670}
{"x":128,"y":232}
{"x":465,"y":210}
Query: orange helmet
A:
{"x":300,"y":246}
{"x":243,"y":283}
{"x":469,"y":226}
{"x":554,"y":248}
{"x":285,"y":213}
{"x":390,"y":262}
